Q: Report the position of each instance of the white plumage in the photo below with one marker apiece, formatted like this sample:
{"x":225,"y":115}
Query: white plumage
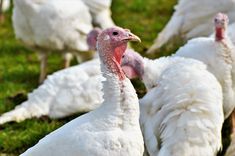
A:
{"x":100,"y":11}
{"x":54,"y":25}
{"x":218,"y":56}
{"x":112,"y":129}
{"x":182,"y":114}
{"x":73,"y":90}
{"x":213,"y":54}
{"x":193,"y":19}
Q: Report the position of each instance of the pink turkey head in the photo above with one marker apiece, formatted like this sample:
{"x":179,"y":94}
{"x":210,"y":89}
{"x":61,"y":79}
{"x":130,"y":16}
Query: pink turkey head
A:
{"x":132,"y":64}
{"x":111,"y":44}
{"x":92,"y":38}
{"x":221,"y":22}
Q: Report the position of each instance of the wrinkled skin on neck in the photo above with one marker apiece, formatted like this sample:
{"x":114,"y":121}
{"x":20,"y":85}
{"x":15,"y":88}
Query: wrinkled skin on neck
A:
{"x":219,"y":33}
{"x":111,"y":56}
{"x":221,"y":23}
{"x":111,"y":44}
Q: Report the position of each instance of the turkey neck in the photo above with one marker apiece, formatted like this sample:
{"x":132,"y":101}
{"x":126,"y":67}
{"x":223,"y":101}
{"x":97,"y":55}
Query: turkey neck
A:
{"x":120,"y":99}
{"x":219,"y":34}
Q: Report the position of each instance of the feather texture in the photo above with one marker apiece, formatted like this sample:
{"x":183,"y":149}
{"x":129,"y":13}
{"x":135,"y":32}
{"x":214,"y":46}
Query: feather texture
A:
{"x":73,"y":90}
{"x":183,"y":114}
{"x":100,"y":11}
{"x":52,"y":25}
{"x":218,"y":56}
{"x":111,"y":129}
{"x":193,"y":19}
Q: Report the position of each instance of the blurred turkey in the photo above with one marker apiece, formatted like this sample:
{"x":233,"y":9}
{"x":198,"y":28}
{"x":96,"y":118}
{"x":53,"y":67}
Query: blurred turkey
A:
{"x":52,"y":26}
{"x":218,"y":54}
{"x":192,"y":19}
{"x":101,"y":13}
{"x":181,"y":114}
{"x":73,"y":90}
{"x":111,"y":130}
{"x":231,"y":32}
{"x":4,"y":6}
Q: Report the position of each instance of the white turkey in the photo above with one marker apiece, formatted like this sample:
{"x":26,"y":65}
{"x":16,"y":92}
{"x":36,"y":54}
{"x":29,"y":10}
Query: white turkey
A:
{"x":64,"y":93}
{"x":192,"y":19}
{"x":54,"y":25}
{"x":182,"y":115}
{"x":100,"y":11}
{"x":4,"y":6}
{"x":112,"y":129}
{"x":218,"y":53}
{"x":72,"y":90}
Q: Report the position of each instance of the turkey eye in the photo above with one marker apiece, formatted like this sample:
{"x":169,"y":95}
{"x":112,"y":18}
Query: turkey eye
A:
{"x":123,"y":56}
{"x":115,"y":33}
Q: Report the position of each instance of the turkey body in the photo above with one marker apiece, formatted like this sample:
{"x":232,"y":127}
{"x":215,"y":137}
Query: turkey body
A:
{"x":218,"y":57}
{"x":73,"y":90}
{"x":53,"y":26}
{"x":183,"y":114}
{"x":192,"y":19}
{"x":94,"y":135}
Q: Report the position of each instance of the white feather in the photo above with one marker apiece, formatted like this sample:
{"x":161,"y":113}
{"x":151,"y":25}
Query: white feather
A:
{"x":193,"y":19}
{"x":112,"y":129}
{"x":52,"y":25}
{"x":73,"y":90}
{"x":101,"y":12}
{"x":218,"y":56}
{"x":183,"y":114}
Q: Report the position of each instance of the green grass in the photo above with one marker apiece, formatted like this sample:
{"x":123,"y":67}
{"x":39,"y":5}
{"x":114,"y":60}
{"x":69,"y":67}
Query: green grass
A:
{"x":19,"y":68}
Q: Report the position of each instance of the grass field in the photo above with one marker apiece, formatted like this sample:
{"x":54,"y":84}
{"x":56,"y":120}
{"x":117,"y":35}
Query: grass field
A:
{"x":19,"y":68}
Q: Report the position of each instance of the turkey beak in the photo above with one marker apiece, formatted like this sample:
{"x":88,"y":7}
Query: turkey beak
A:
{"x":131,"y":37}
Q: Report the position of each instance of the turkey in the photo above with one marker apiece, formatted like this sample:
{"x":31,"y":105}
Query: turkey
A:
{"x":192,"y":19}
{"x":55,"y":25}
{"x":100,"y":11}
{"x":218,"y":54}
{"x":182,"y":115}
{"x":64,"y":93}
{"x":73,"y":90}
{"x":4,"y":6}
{"x":113,"y":128}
